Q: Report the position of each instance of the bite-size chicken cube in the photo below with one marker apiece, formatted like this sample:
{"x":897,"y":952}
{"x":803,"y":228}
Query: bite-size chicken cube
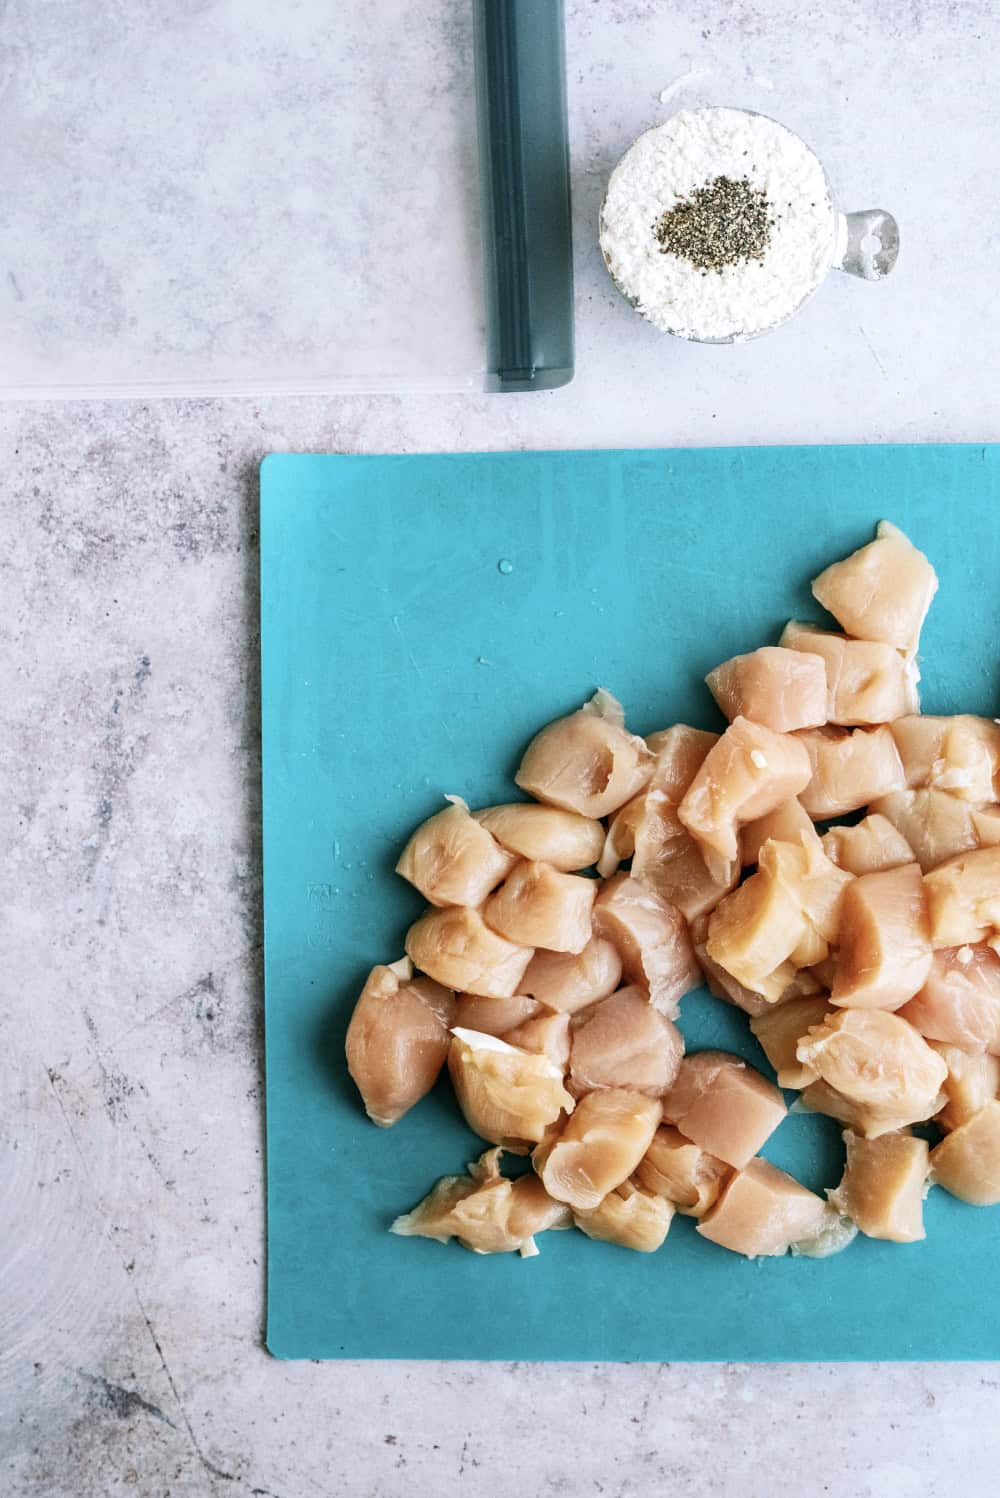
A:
{"x":866,"y":682}
{"x":681,"y":1171}
{"x":880,"y":592}
{"x":938,"y":825}
{"x":963,"y":897}
{"x":508,"y":1096}
{"x":397,"y":1040}
{"x":885,"y":947}
{"x":779,"y":1031}
{"x":545,"y":834}
{"x":878,"y":1062}
{"x":680,"y":752}
{"x":849,"y":768}
{"x":599,"y":1147}
{"x":788,"y":823}
{"x":652,"y":938}
{"x":763,"y":1212}
{"x":546,"y":1034}
{"x":629,"y":1216}
{"x":973,"y":1080}
{"x":868,"y":847}
{"x":485,"y":1211}
{"x":749,"y":772}
{"x":884,"y":1185}
{"x":452,"y":860}
{"x":569,"y":981}
{"x":753,"y":932}
{"x":587,"y":762}
{"x":624,"y":1042}
{"x":959,"y":754}
{"x":724,"y":1105}
{"x":960,"y":1001}
{"x":967,"y":1161}
{"x":783,"y":689}
{"x":457,"y":948}
{"x":537,"y":906}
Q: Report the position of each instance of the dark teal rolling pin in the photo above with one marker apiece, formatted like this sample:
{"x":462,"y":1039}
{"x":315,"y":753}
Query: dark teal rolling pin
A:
{"x":524,"y":173}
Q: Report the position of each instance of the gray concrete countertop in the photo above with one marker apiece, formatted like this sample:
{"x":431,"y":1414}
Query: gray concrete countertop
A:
{"x":131,"y":1191}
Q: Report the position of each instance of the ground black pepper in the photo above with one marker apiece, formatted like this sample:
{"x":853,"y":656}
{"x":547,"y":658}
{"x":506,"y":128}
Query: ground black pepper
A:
{"x":720,"y":224}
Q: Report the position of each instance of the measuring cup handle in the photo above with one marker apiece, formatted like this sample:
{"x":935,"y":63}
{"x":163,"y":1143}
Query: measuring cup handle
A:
{"x":867,"y":243}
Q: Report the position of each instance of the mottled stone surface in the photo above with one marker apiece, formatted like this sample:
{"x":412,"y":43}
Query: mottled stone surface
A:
{"x":131,"y":1203}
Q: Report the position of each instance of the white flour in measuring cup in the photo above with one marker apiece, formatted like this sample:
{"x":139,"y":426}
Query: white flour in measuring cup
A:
{"x":718,"y":224}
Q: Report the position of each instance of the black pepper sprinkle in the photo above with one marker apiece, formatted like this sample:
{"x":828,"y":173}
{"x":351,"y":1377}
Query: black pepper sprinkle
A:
{"x":720,"y":224}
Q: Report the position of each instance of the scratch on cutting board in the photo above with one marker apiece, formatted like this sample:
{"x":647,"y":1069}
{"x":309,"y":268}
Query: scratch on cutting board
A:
{"x":409,"y":653}
{"x":871,"y":350}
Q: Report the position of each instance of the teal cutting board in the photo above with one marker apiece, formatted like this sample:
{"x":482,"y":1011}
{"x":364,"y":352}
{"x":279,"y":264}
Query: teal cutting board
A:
{"x":421,"y":617}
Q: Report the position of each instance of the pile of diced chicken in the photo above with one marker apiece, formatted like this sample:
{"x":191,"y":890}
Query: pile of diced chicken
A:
{"x":865,"y":957}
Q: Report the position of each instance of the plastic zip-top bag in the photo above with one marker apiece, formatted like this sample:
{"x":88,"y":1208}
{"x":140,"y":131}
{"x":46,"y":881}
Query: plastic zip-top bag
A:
{"x":230,"y":198}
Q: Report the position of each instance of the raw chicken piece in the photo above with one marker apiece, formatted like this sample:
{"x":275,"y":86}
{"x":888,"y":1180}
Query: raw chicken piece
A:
{"x":967,"y":1161}
{"x":783,"y":689}
{"x":683,"y":1172}
{"x":452,"y":860}
{"x":723,"y":985}
{"x":960,"y":754}
{"x":619,"y":843}
{"x":649,"y":831}
{"x":599,"y":1148}
{"x":630,"y":1217}
{"x":885,"y":949}
{"x":936,"y":824}
{"x":960,"y":1002}
{"x":884,"y":1185}
{"x":547,"y":1035}
{"x":508,"y":1096}
{"x":850,"y":768}
{"x":667,"y":857}
{"x":789,"y":823}
{"x":881,"y":592}
{"x":871,"y":1120}
{"x":878,"y":1061}
{"x":763,"y":1211}
{"x":747,"y":773}
{"x":866,"y":682}
{"x":869,"y":846}
{"x":536,"y":906}
{"x":652,"y":938}
{"x":624,"y":1042}
{"x":680,"y":752}
{"x":779,"y":1032}
{"x":397,"y":1040}
{"x":571,"y":980}
{"x":485,"y":1211}
{"x":824,"y":973}
{"x":973,"y":1080}
{"x":587,"y":762}
{"x":817,"y":885}
{"x":494,"y":1016}
{"x":456,"y":947}
{"x":963,"y":896}
{"x":753,"y":933}
{"x":721,"y":1103}
{"x":563,"y":839}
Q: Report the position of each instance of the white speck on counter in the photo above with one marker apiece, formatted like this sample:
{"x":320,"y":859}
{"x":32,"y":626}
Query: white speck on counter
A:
{"x":681,"y":82}
{"x":669,"y":163}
